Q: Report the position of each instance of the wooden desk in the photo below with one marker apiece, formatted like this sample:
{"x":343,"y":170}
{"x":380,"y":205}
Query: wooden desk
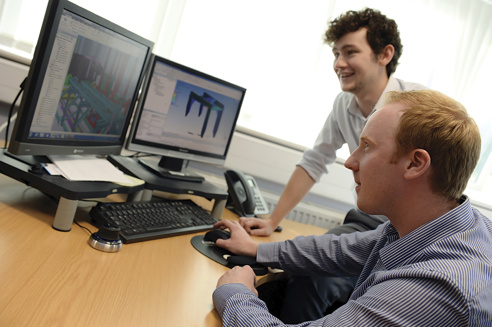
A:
{"x":52,"y":278}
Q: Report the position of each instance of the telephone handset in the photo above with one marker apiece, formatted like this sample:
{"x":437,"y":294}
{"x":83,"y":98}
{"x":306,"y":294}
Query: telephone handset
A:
{"x":244,"y":194}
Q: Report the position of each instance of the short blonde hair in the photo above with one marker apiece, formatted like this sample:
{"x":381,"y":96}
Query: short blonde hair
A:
{"x":441,"y":126}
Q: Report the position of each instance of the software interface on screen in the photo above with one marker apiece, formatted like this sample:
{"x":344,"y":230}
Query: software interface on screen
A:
{"x":188,"y":111}
{"x":89,"y":83}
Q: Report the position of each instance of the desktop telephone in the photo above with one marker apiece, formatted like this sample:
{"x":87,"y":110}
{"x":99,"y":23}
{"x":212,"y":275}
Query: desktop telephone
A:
{"x":244,"y":194}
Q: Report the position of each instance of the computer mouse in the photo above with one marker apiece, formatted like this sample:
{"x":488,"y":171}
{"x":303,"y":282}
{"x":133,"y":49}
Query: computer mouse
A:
{"x":214,"y":234}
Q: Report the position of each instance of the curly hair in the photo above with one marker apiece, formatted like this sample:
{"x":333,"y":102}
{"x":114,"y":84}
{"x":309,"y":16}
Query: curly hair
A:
{"x":381,"y":31}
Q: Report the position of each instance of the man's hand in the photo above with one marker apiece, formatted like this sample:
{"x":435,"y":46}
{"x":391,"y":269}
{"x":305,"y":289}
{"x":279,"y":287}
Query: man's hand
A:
{"x":244,"y":275}
{"x":257,"y":227}
{"x":240,"y":242}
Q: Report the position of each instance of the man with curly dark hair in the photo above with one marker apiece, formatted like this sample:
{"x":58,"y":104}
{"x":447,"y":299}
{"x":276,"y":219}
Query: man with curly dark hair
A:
{"x":366,"y":46}
{"x":381,"y":31}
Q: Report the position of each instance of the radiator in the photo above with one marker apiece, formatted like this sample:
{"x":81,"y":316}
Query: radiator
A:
{"x":308,"y":213}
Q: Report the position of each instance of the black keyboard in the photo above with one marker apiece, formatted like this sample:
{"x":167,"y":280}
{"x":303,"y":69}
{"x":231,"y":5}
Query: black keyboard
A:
{"x":142,"y":221}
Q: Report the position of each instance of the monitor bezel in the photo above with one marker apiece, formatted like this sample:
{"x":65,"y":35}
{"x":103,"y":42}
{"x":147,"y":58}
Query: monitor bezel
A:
{"x":20,"y":143}
{"x":141,"y":146}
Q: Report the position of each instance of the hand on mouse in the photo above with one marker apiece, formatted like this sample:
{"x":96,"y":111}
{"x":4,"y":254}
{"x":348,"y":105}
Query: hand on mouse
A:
{"x":243,"y":275}
{"x":240,"y":242}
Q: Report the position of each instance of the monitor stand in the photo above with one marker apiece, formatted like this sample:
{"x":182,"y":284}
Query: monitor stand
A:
{"x":171,"y":168}
{"x":29,"y":160}
{"x":132,"y":166}
{"x":68,"y":192}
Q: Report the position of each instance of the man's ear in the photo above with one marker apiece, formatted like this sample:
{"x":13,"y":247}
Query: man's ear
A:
{"x":418,"y":163}
{"x":386,"y":55}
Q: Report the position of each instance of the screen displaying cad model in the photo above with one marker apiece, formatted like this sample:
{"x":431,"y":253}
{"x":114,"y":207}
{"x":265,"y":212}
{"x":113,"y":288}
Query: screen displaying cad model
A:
{"x":89,"y":83}
{"x":188,"y":111}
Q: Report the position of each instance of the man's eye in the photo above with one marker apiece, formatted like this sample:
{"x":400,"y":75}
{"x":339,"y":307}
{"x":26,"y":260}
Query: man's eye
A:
{"x":366,"y":146}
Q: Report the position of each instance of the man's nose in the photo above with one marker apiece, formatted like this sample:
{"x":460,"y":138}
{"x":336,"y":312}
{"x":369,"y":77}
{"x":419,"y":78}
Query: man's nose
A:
{"x":351,"y":163}
{"x":340,"y":62}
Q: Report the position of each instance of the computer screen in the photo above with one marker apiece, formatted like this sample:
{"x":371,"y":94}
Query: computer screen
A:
{"x":184,"y":114}
{"x":82,"y":85}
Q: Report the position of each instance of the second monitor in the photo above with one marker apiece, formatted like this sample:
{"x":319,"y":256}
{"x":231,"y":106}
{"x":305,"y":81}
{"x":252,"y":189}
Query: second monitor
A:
{"x":184,"y":114}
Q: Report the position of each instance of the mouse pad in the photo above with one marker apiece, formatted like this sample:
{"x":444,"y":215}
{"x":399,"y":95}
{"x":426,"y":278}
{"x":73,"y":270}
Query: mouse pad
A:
{"x":217,"y":254}
{"x":209,"y":249}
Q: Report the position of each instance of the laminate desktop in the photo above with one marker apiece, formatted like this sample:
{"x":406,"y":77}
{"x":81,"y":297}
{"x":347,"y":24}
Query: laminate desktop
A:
{"x":52,"y":278}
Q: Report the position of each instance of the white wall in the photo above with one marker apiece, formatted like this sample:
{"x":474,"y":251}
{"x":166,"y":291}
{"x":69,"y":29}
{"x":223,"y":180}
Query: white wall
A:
{"x":275,"y":163}
{"x":11,"y":76}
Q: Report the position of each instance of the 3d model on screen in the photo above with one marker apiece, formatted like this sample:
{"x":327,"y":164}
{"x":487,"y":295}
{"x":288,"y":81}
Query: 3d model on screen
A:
{"x":211,"y":104}
{"x":94,"y":98}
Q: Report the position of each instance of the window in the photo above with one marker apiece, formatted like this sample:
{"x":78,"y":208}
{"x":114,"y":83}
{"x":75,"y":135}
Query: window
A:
{"x":274,"y":49}
{"x":20,"y":22}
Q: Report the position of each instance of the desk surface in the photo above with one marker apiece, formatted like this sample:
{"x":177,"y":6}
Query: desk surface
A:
{"x":52,"y":278}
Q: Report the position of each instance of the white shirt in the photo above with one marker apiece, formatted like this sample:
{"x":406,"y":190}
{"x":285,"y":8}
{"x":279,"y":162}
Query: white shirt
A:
{"x":344,"y":125}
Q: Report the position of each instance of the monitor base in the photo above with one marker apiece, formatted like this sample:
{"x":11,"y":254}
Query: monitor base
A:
{"x":182,"y":175}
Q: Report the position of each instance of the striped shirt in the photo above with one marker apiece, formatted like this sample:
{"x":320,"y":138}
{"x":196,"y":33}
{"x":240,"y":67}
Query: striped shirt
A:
{"x":438,"y":275}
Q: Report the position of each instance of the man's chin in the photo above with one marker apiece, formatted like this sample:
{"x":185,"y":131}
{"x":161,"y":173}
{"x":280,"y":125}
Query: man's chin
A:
{"x":366,"y":208}
{"x":346,"y":87}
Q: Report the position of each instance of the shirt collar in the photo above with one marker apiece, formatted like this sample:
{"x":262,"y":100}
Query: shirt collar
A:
{"x":392,"y":85}
{"x":399,"y":251}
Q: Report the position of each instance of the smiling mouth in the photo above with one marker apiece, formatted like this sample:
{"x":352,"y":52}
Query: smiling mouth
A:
{"x":345,"y":75}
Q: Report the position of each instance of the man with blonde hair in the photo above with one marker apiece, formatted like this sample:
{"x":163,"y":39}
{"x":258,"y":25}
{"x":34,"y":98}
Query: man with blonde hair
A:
{"x":429,"y":265}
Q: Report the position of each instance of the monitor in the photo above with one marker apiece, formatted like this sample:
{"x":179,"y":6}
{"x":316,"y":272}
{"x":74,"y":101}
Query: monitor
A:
{"x":184,"y":115}
{"x":82,"y":85}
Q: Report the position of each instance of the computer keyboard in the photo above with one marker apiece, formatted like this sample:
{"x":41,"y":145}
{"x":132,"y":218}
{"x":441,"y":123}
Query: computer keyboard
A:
{"x":148,"y":220}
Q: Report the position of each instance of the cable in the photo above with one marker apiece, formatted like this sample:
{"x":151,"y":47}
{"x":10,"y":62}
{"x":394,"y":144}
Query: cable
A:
{"x":56,"y":200}
{"x":4,"y":125}
{"x":12,"y":109}
{"x":83,"y":227}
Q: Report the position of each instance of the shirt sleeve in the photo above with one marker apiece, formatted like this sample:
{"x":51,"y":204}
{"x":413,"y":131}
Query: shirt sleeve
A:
{"x":238,"y":306}
{"x":328,"y":254}
{"x":408,"y":298}
{"x":329,"y":140}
